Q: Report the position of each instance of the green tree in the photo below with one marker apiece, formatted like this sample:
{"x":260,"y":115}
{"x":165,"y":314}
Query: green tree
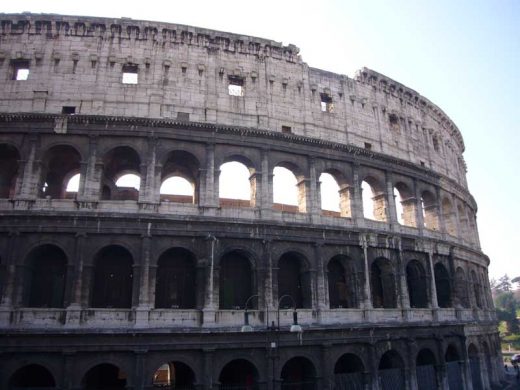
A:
{"x":507,"y":305}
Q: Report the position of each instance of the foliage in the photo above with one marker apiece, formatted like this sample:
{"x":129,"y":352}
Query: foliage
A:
{"x":506,"y":303}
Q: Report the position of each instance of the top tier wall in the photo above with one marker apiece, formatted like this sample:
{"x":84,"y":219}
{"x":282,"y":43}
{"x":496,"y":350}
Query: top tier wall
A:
{"x":184,"y":72}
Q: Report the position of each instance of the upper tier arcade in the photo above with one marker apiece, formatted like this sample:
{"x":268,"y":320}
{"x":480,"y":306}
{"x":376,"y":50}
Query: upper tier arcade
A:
{"x":123,"y":67}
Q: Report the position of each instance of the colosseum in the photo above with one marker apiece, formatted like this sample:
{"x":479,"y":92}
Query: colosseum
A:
{"x":108,"y":285}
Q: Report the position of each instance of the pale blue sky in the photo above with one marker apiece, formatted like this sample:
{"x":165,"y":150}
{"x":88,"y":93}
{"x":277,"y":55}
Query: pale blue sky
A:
{"x":462,"y":55}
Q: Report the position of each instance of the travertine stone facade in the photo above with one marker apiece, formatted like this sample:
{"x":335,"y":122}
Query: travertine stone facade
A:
{"x":113,"y":282}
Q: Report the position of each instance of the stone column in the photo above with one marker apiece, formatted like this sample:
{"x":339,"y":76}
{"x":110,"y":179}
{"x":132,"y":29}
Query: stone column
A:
{"x":68,"y":377}
{"x":357,"y":199}
{"x":268,"y":281}
{"x":148,"y":191}
{"x":255,"y":181}
{"x":403,"y":285}
{"x":31,"y":173}
{"x":327,"y":377}
{"x":208,"y":380}
{"x":212,"y":188}
{"x":266,"y":189}
{"x":418,"y":208}
{"x":313,"y":196}
{"x":139,"y":368}
{"x":367,"y":303}
{"x":433,"y":289}
{"x":373,"y":365}
{"x":322,"y":293}
{"x":440,"y":215}
{"x":93,"y":174}
{"x":391,"y":209}
{"x":466,"y":370}
{"x":143,"y":280}
{"x":411,"y":378}
{"x":210,"y":306}
{"x":74,"y":281}
{"x":13,"y":247}
{"x":87,"y":284}
{"x":441,"y":368}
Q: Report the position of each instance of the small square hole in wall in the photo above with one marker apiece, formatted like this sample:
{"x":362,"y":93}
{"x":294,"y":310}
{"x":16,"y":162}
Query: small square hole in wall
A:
{"x":326,"y":103}
{"x":422,"y":164}
{"x":129,"y":74}
{"x":68,"y":110}
{"x":236,"y":86}
{"x":286,"y":129}
{"x":20,"y":70}
{"x":368,"y":146}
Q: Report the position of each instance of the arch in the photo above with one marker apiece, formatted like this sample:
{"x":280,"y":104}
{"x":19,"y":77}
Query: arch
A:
{"x":426,"y":372}
{"x":112,"y":279}
{"x":294,"y":279}
{"x":330,"y":195}
{"x":46,"y":268}
{"x":59,"y":164}
{"x":343,"y":283}
{"x":104,"y":376}
{"x":343,"y":188}
{"x":180,"y":173}
{"x":382,"y":283}
{"x":461,"y":288}
{"x":288,"y":191}
{"x":9,"y":157}
{"x":405,"y":204}
{"x":239,"y":374}
{"x":119,"y":161}
{"x":174,"y":375}
{"x":453,"y":367}
{"x":417,"y":284}
{"x":32,"y":376}
{"x":298,"y":373}
{"x":236,"y":281}
{"x":475,"y":369}
{"x":443,"y":285}
{"x":391,"y":371}
{"x":348,"y":372}
{"x":176,"y":286}
{"x":430,"y":210}
{"x":476,"y":289}
{"x":237,"y":185}
{"x":374,"y":201}
{"x":448,"y":215}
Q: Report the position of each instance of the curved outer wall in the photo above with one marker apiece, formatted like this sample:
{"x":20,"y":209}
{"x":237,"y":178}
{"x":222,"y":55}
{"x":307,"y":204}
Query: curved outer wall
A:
{"x":73,"y":114}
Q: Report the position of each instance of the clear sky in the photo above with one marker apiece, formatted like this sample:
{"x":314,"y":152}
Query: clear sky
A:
{"x":463,"y":55}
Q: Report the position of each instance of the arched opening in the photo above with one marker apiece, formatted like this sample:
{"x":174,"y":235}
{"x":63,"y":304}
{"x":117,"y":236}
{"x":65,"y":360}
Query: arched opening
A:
{"x":180,"y":178}
{"x":374,"y":202}
{"x":348,"y":372}
{"x":59,"y":164}
{"x":45,"y":277}
{"x":343,"y":283}
{"x":239,"y":374}
{"x":121,"y":174}
{"x":391,"y":367}
{"x":443,"y":285}
{"x":405,"y":205}
{"x":476,"y":289}
{"x":9,"y":158}
{"x":32,"y":376}
{"x":236,"y":281}
{"x":288,"y":192}
{"x":474,"y":364}
{"x":330,"y":195}
{"x":429,"y":210}
{"x":104,"y":377}
{"x":461,"y":289}
{"x":176,"y":280}
{"x":298,"y":373}
{"x":113,"y":275}
{"x":425,"y":370}
{"x":449,"y":217}
{"x":417,"y":284}
{"x":382,"y":281}
{"x":237,"y":185}
{"x":72,"y":186}
{"x":294,"y":280}
{"x":453,"y":368}
{"x":174,"y":376}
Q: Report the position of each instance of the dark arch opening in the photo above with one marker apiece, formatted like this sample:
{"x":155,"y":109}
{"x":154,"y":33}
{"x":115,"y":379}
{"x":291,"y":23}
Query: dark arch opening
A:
{"x":348,"y":372}
{"x":443,"y":285}
{"x":176,"y":285}
{"x":239,"y":374}
{"x":59,"y":164}
{"x":174,"y":376}
{"x":294,"y":280}
{"x":391,"y":373}
{"x":113,"y":277}
{"x":45,"y":277}
{"x":382,"y":281}
{"x":343,"y":283}
{"x":236,"y":282}
{"x":425,"y":370}
{"x":32,"y":376}
{"x":9,"y":158}
{"x":104,"y":377}
{"x":298,"y":373}
{"x":417,"y":284}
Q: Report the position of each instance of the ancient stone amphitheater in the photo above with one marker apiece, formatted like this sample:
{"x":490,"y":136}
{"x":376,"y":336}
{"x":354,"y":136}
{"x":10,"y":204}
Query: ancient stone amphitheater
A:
{"x":106,"y":285}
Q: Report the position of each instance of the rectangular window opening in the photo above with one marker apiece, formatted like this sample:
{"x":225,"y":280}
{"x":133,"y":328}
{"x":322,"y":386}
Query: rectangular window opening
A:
{"x":68,"y":110}
{"x":20,"y":70}
{"x":368,"y":145}
{"x":286,"y":129}
{"x":326,"y":103}
{"x":129,"y":74}
{"x":236,"y":86}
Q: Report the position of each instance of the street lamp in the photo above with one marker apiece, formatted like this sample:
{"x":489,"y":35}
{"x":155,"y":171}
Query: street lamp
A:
{"x":295,"y":327}
{"x":246,"y":327}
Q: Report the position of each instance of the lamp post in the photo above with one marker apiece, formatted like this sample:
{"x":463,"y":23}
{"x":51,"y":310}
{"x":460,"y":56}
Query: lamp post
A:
{"x":246,"y":327}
